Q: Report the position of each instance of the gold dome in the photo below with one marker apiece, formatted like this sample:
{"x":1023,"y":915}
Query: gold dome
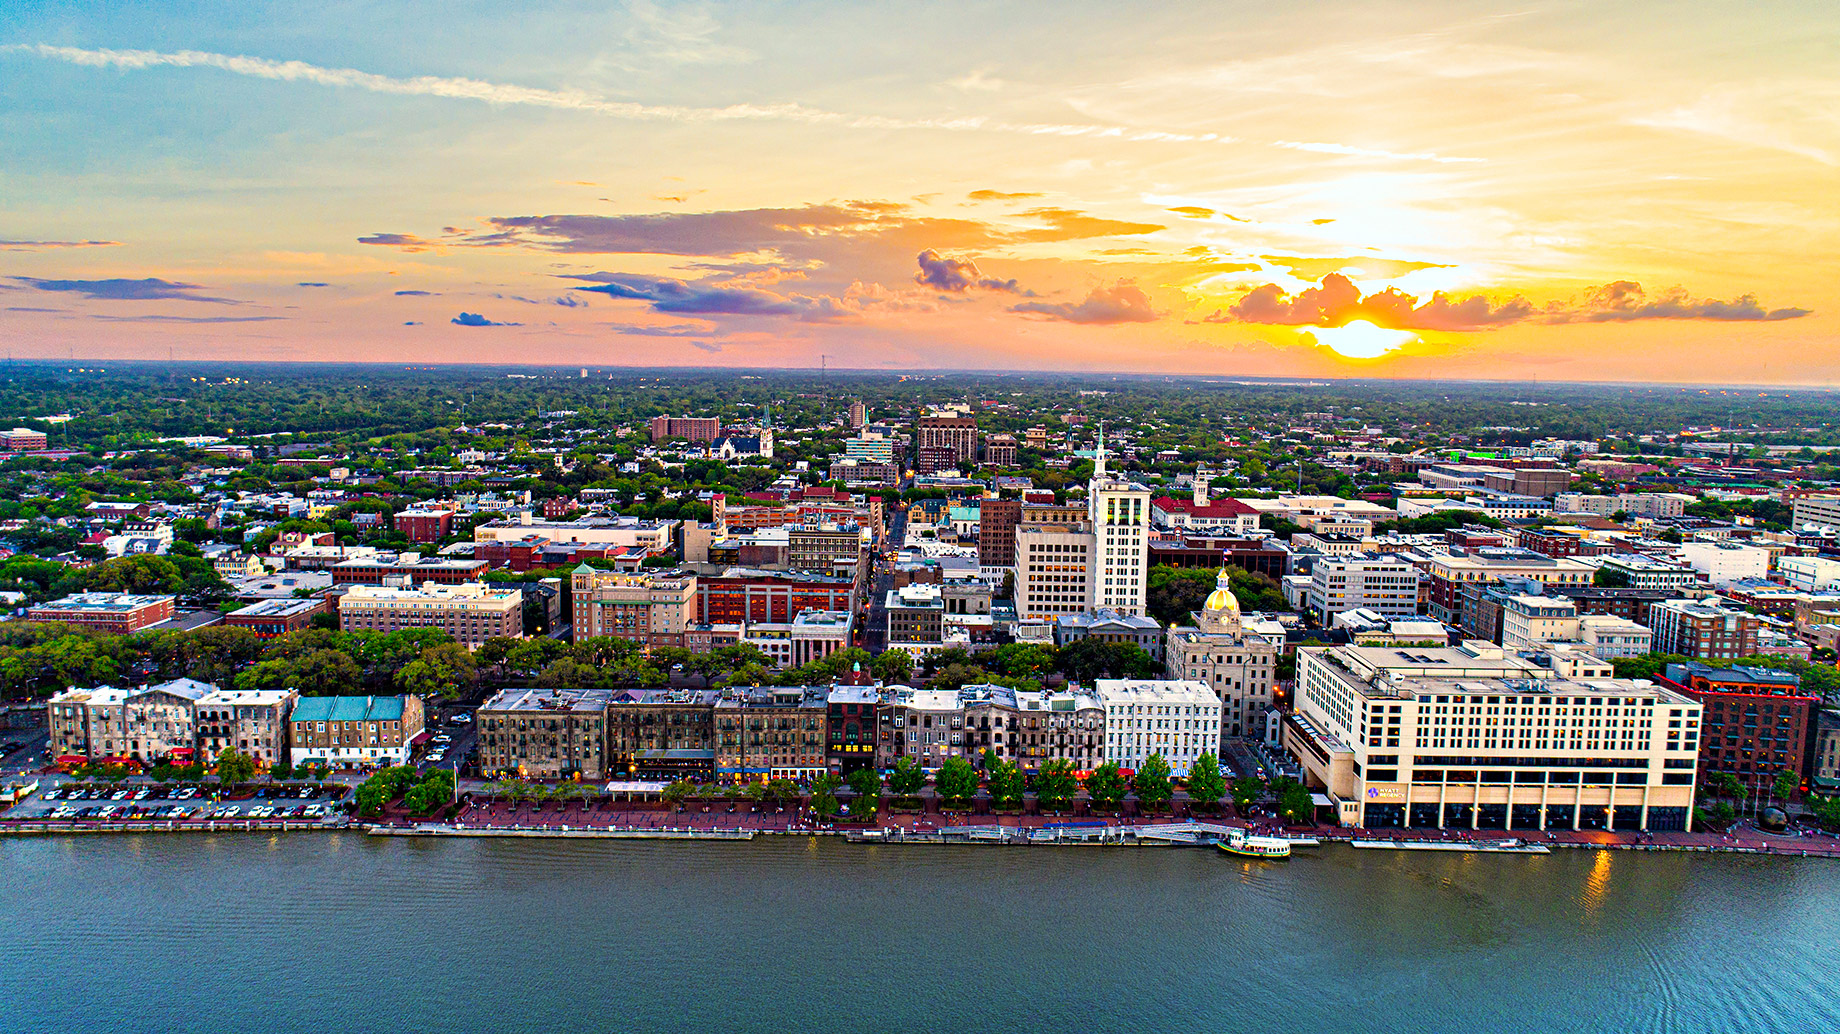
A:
{"x":1221,"y":603}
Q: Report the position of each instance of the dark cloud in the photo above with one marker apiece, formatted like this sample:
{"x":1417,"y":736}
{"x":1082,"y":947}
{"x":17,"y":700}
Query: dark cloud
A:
{"x":311,"y":283}
{"x":1337,"y":300}
{"x":404,"y":241}
{"x":957,"y":275}
{"x":1123,"y":302}
{"x":666,"y":294}
{"x":707,"y":346}
{"x":52,"y":245}
{"x":119,"y":289}
{"x":998,"y":195}
{"x":689,"y":233}
{"x":412,"y":323}
{"x":473,"y":319}
{"x":31,"y":308}
{"x":413,"y":294}
{"x":1624,"y":300}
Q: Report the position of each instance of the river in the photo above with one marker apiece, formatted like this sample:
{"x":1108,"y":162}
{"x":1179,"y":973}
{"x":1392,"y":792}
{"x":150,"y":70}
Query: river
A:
{"x":342,"y":932}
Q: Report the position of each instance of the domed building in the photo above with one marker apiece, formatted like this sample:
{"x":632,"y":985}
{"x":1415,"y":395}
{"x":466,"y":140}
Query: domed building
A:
{"x":1241,"y":669}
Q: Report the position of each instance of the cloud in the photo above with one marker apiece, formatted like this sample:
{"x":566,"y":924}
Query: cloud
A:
{"x":956,"y":275}
{"x":679,"y":330}
{"x":413,"y":294}
{"x":311,"y":283}
{"x":186,"y":319}
{"x":998,"y":195}
{"x":51,"y":245}
{"x":566,"y":301}
{"x":473,"y":319}
{"x":1065,"y":224}
{"x":412,"y":323}
{"x":1368,"y":152}
{"x":1337,"y":302}
{"x":404,"y":241}
{"x":1315,"y":268}
{"x":31,"y":308}
{"x":118,"y":289}
{"x":508,"y":94}
{"x":707,"y":346}
{"x":1624,"y":300}
{"x":1194,"y":212}
{"x":667,"y":294}
{"x":1123,"y":302}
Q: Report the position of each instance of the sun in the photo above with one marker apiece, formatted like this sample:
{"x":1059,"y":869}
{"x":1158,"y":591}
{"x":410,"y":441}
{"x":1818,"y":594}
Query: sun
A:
{"x":1359,"y":339}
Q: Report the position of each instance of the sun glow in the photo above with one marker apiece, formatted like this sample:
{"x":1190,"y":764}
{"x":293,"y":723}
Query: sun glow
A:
{"x":1359,"y":339}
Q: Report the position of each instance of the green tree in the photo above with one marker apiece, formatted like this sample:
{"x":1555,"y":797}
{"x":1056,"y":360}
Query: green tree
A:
{"x":956,"y":781}
{"x":675,"y":791}
{"x":443,"y":670}
{"x":1246,"y":790}
{"x":1055,"y":784}
{"x":1006,"y":785}
{"x":1151,"y":783}
{"x":234,"y":767}
{"x":908,"y":778}
{"x":1786,"y":784}
{"x":781,"y":790}
{"x":1296,"y":804}
{"x":824,"y":794}
{"x":1205,"y":785}
{"x":867,"y":783}
{"x":1105,"y":785}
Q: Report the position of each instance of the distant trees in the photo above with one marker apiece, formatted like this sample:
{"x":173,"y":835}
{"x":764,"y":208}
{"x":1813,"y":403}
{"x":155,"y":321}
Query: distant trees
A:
{"x":1173,"y":593}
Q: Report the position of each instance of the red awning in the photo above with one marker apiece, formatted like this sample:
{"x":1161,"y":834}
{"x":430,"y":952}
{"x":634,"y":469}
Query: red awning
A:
{"x":420,"y":738}
{"x":73,"y":759}
{"x":176,"y":751}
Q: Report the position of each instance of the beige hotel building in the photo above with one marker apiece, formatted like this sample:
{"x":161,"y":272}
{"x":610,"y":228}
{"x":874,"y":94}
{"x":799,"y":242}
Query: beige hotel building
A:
{"x":471,"y":612}
{"x":1477,"y":738}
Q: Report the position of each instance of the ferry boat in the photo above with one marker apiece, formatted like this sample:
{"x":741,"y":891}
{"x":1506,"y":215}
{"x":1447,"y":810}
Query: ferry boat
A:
{"x":1245,"y":845}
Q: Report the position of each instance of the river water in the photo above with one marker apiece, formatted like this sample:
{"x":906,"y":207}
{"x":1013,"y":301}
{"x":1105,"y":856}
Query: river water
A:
{"x":343,"y":932}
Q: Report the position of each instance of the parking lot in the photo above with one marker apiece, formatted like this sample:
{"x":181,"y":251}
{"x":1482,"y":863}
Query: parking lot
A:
{"x":451,"y":746}
{"x":80,"y":802}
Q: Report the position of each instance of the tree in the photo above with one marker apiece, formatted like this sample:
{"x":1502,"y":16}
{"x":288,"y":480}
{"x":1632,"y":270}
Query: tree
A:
{"x":234,"y":766}
{"x":1006,"y":785}
{"x":1090,"y":659}
{"x":1055,"y":785}
{"x":1786,"y":785}
{"x":781,"y":790}
{"x":824,"y":794}
{"x":281,"y":771}
{"x":957,"y":781}
{"x":1246,"y":790}
{"x":675,"y":791}
{"x":1295,"y":803}
{"x":1152,"y":782}
{"x":1205,"y":785}
{"x":867,"y":783}
{"x":1105,"y":785}
{"x":908,"y":778}
{"x":442,"y":670}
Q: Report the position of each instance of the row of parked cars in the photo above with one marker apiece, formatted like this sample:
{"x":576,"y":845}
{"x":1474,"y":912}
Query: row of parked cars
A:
{"x":173,"y":812}
{"x":112,"y":793}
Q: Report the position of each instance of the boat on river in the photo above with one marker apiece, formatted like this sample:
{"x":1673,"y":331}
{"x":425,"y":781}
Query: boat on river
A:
{"x":1245,"y":845}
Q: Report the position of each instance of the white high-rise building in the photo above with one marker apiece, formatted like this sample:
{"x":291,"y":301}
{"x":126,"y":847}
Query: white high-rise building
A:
{"x":1119,"y":511}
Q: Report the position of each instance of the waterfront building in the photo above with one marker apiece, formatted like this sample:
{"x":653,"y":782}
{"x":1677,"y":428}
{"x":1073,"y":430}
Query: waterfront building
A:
{"x":661,"y":734}
{"x":472,"y":612}
{"x":1476,"y":737}
{"x":1241,"y":669}
{"x":252,"y":721}
{"x":354,"y":731}
{"x":1755,"y":725}
{"x":146,"y":724}
{"x":544,"y":733}
{"x":927,"y":725}
{"x":850,"y":726}
{"x":771,"y":733}
{"x":1177,"y":718}
{"x":113,"y":613}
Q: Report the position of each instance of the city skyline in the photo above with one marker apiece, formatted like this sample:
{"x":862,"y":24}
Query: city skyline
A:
{"x":1555,"y":192}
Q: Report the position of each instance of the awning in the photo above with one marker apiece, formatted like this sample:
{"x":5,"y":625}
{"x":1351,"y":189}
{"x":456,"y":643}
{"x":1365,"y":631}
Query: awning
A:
{"x":1321,"y":800}
{"x":73,"y":759}
{"x":420,"y":738}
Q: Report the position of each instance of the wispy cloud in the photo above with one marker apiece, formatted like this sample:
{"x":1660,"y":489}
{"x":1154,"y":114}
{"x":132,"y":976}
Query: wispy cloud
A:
{"x":186,"y":319}
{"x":473,"y":319}
{"x":120,"y":289}
{"x":54,"y":245}
{"x":1370,"y":152}
{"x":1123,"y":302}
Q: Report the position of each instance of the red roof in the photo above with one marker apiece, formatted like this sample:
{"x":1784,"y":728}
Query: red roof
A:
{"x":1219,"y":509}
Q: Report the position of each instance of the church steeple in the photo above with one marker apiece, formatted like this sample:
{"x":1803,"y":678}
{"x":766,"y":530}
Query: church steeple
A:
{"x":1099,"y":455}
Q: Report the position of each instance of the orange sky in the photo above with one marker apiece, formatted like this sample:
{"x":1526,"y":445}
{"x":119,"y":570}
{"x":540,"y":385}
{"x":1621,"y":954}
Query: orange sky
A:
{"x":1549,"y":191}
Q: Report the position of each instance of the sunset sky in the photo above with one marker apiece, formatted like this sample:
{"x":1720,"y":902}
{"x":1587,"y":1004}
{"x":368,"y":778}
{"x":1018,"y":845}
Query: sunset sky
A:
{"x":1576,"y":191}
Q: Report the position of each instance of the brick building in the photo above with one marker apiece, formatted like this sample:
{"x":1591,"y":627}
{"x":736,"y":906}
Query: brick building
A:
{"x":1754,"y":722}
{"x":545,"y":733}
{"x":116,"y":613}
